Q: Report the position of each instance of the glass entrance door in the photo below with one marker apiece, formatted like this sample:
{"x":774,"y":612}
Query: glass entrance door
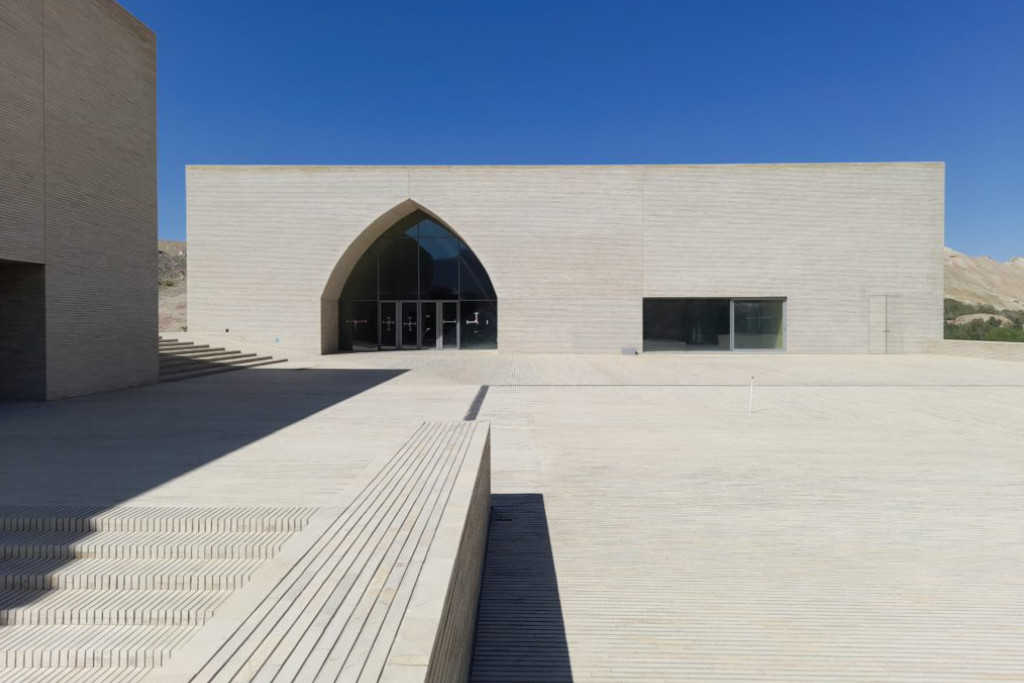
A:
{"x":389,"y":325}
{"x":410,"y":325}
{"x":449,"y":324}
{"x":428,"y":321}
{"x":419,"y":325}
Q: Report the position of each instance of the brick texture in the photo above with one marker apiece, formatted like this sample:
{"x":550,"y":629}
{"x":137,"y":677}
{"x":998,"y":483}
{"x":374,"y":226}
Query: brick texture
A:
{"x":573,"y":250}
{"x":78,"y":81}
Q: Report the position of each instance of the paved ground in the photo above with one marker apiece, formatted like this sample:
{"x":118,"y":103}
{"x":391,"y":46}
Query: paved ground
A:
{"x":863,"y":523}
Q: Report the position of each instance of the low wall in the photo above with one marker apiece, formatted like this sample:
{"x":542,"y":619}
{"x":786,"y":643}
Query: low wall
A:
{"x":444,"y":603}
{"x":979,"y":349}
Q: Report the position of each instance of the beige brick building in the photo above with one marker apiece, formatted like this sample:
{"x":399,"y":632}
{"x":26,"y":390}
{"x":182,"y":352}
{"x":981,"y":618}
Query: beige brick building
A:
{"x":77,"y":198}
{"x":590,"y":259}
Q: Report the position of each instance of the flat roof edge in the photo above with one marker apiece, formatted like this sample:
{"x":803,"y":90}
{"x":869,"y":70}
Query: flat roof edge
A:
{"x":326,"y":167}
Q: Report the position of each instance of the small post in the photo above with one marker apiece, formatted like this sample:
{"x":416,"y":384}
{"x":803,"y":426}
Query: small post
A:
{"x":750,"y":399}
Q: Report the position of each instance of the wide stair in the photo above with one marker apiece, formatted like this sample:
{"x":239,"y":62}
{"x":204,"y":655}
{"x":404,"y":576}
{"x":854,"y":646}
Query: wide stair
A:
{"x":109,"y":595}
{"x":185,"y":359}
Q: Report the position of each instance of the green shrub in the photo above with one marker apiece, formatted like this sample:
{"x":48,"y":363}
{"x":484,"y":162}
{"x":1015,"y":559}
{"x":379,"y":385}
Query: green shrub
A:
{"x":989,"y":329}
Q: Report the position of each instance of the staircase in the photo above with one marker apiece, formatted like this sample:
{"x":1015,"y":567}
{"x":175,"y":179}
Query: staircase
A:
{"x":90,"y":595}
{"x":184,"y":360}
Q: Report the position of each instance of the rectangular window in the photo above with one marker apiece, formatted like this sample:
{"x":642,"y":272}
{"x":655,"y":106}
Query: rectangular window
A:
{"x":686,"y":324}
{"x":758,"y":324}
{"x":713,"y":324}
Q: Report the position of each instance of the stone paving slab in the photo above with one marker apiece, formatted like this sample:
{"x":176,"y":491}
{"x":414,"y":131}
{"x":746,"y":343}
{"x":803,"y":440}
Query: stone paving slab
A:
{"x":835,"y":533}
{"x":862,"y":523}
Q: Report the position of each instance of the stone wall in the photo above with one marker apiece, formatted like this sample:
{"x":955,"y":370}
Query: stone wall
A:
{"x":21,"y":131}
{"x":435,"y":641}
{"x":979,"y":349}
{"x":78,"y":189}
{"x":573,"y":250}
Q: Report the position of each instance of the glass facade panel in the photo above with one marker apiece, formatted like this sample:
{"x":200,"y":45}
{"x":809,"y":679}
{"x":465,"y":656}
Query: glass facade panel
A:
{"x":686,"y":324}
{"x":362,"y":283}
{"x":359,"y":325}
{"x":388,"y":324}
{"x":410,"y":324}
{"x":479,"y":324}
{"x":450,"y":324}
{"x":439,"y":268}
{"x":397,"y":260}
{"x":713,"y":324}
{"x":431,"y":229}
{"x":415,"y":272}
{"x":475,"y":282}
{"x":428,"y":324}
{"x":759,"y":324}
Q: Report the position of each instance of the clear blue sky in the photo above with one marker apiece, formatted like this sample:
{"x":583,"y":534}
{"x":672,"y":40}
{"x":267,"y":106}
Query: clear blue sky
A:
{"x":551,"y":82}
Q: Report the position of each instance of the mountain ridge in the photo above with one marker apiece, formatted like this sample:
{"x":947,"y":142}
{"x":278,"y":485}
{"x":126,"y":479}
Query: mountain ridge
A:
{"x":983,"y":280}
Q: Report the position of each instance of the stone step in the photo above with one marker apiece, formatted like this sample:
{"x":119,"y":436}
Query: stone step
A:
{"x":43,"y":574}
{"x":169,"y":346}
{"x":73,"y":675}
{"x":88,"y":647}
{"x":125,"y":545}
{"x":266,"y":360}
{"x":208,"y":363}
{"x":187,"y":350}
{"x":154,"y":519}
{"x":219,"y":357}
{"x":194,"y":352}
{"x":108,"y":607}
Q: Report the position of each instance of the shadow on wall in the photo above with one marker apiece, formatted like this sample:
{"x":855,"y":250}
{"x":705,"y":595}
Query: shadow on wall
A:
{"x":93,"y":452}
{"x":520,"y":633}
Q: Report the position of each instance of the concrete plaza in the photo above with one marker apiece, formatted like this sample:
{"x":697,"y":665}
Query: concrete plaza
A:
{"x":863,"y":522}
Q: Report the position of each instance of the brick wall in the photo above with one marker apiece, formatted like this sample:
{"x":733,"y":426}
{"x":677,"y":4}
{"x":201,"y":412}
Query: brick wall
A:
{"x":78,"y":104}
{"x":1013,"y":351}
{"x":21,"y":131}
{"x":573,"y":250}
{"x":452,"y":652}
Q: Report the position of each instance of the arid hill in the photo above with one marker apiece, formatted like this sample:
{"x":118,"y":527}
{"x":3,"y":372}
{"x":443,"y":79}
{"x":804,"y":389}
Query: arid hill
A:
{"x":171,"y":265}
{"x":983,"y":280}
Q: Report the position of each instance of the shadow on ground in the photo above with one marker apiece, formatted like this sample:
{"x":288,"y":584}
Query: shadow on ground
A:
{"x":103,"y":449}
{"x":93,"y":452}
{"x":520,"y":633}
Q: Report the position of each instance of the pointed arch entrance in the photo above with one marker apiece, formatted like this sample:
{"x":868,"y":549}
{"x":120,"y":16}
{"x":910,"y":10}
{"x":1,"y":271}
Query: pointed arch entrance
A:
{"x":417,"y":285}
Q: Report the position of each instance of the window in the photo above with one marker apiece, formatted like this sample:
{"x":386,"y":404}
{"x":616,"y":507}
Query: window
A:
{"x":713,"y":324}
{"x":393,"y":295}
{"x":758,"y":324}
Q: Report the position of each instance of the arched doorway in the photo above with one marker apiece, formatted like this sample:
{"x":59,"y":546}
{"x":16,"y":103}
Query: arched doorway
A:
{"x":417,"y":286}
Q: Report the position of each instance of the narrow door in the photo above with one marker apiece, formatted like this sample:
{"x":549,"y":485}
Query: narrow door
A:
{"x":878,"y":324}
{"x":428,"y":310}
{"x":410,"y":325}
{"x":389,"y":325}
{"x":450,"y":325}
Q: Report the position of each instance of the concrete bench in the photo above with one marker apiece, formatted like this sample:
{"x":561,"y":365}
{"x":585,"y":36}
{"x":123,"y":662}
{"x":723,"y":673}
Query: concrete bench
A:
{"x":384,"y":587}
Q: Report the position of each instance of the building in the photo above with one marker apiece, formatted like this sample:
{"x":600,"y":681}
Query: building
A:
{"x":833,"y":258}
{"x":77,"y":198}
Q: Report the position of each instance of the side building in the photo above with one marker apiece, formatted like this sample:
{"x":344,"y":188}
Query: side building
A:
{"x":807,"y":258}
{"x":78,"y":300}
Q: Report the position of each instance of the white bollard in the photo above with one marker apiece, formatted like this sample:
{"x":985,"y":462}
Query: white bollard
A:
{"x":750,"y":399}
